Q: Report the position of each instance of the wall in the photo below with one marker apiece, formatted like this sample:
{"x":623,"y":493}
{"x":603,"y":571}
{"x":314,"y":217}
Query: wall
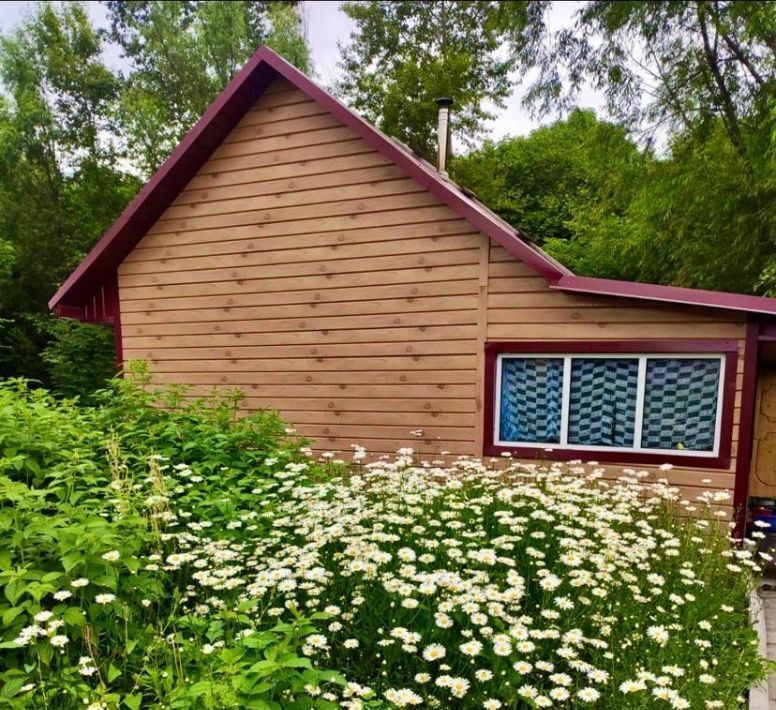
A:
{"x":521,"y":307}
{"x":304,"y":268}
{"x":301,"y":266}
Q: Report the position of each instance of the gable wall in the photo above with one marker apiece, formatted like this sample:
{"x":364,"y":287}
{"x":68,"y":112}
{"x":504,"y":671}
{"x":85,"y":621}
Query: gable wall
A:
{"x":301,"y":266}
{"x":304,"y":268}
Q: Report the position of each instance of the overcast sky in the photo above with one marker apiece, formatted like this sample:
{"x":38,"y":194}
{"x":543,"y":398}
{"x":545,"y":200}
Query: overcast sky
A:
{"x":326,"y":25}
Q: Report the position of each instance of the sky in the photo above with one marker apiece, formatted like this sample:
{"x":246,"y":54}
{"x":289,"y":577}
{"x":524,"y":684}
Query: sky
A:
{"x":326,"y":26}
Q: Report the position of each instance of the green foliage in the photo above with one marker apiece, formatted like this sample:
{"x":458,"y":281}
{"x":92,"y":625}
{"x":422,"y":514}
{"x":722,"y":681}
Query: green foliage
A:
{"x":547,"y":182}
{"x":182,"y":54}
{"x":81,"y":357}
{"x":58,"y":186}
{"x":86,"y":498}
{"x":405,"y":54}
{"x":180,"y":556}
{"x":697,"y":78}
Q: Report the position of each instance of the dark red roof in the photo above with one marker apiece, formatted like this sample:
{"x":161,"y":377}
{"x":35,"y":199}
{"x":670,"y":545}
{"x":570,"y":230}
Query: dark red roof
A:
{"x":81,"y":290}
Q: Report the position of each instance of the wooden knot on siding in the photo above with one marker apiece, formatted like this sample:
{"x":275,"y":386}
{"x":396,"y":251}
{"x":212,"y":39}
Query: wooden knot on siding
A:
{"x":309,"y":378}
{"x":414,"y":290}
{"x":427,"y":405}
{"x":330,"y":405}
{"x":403,"y":378}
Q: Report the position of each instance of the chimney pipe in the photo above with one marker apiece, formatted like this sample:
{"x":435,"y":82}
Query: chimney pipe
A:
{"x":443,"y":133}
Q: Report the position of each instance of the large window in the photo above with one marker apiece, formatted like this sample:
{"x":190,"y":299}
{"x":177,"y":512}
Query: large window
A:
{"x":651,"y":403}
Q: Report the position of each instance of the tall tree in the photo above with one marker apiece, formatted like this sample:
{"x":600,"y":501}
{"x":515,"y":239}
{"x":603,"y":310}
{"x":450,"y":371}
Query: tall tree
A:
{"x":674,"y":65}
{"x":58,"y":186}
{"x":553,"y":179}
{"x":699,"y":75}
{"x":182,"y":53}
{"x":404,"y":54}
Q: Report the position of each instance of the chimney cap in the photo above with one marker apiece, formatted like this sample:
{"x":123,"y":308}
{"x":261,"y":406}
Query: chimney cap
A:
{"x":444,"y":101}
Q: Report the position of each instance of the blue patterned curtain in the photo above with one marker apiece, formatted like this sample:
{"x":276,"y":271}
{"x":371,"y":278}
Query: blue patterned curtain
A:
{"x":680,"y":404}
{"x":602,"y":404}
{"x":531,"y":394}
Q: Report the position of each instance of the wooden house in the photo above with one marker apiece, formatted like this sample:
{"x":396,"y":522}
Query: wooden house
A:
{"x":289,"y":248}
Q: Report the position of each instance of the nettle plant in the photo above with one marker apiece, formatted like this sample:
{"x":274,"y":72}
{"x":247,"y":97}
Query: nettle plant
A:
{"x":87,"y":619}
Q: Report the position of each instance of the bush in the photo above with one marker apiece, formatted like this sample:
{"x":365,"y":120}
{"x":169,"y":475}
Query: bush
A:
{"x":86,"y":618}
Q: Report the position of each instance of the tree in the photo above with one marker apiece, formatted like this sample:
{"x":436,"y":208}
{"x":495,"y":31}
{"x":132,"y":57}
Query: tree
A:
{"x":182,"y":54}
{"x":58,"y":185}
{"x":404,"y":54}
{"x":674,"y":65}
{"x":698,"y":77}
{"x":547,"y":181}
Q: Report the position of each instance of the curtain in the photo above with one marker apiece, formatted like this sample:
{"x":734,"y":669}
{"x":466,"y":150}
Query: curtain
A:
{"x":531,"y":392}
{"x":602,"y":403}
{"x":680,"y":404}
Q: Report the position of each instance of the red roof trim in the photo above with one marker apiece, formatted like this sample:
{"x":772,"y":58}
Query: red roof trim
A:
{"x":223,"y":114}
{"x":667,"y":294}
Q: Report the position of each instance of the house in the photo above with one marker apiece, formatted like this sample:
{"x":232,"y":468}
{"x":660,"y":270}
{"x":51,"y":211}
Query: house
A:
{"x":289,"y":248}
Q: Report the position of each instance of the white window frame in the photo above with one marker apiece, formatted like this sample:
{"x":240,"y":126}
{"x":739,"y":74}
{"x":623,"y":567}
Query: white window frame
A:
{"x":640,"y":396}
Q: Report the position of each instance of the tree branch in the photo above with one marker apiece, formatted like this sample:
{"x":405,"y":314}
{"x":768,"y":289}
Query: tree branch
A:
{"x":724,"y":99}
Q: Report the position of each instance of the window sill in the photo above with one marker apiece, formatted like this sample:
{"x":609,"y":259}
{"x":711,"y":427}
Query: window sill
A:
{"x":609,"y":457}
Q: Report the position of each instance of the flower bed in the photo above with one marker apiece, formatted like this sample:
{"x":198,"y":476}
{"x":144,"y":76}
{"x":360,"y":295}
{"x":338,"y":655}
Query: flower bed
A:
{"x":292,"y":584}
{"x":530,"y":587}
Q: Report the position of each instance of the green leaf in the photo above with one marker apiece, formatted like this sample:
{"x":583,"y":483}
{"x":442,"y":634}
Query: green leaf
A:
{"x":133,"y":702}
{"x":14,"y":590}
{"x":113,"y":673}
{"x":263,"y":668}
{"x":12,"y":686}
{"x":11,"y":614}
{"x":74,"y":617}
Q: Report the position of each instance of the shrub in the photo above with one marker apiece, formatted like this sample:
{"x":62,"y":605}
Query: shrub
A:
{"x":84,"y":505}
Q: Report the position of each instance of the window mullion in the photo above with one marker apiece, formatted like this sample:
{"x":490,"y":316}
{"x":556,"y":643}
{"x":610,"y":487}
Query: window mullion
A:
{"x":566,"y":398}
{"x":641,"y":386}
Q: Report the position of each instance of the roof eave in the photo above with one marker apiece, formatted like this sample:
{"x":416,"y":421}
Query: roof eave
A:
{"x":666,"y":294}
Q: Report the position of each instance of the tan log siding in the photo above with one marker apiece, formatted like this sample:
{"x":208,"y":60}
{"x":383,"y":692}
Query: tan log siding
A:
{"x":304,"y":268}
{"x":520,"y":307}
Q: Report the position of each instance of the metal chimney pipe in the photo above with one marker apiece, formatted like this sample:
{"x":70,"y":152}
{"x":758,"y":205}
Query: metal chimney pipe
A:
{"x":443,"y":133}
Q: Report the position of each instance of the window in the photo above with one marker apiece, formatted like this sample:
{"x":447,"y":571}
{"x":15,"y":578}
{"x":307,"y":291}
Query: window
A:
{"x":651,"y":403}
